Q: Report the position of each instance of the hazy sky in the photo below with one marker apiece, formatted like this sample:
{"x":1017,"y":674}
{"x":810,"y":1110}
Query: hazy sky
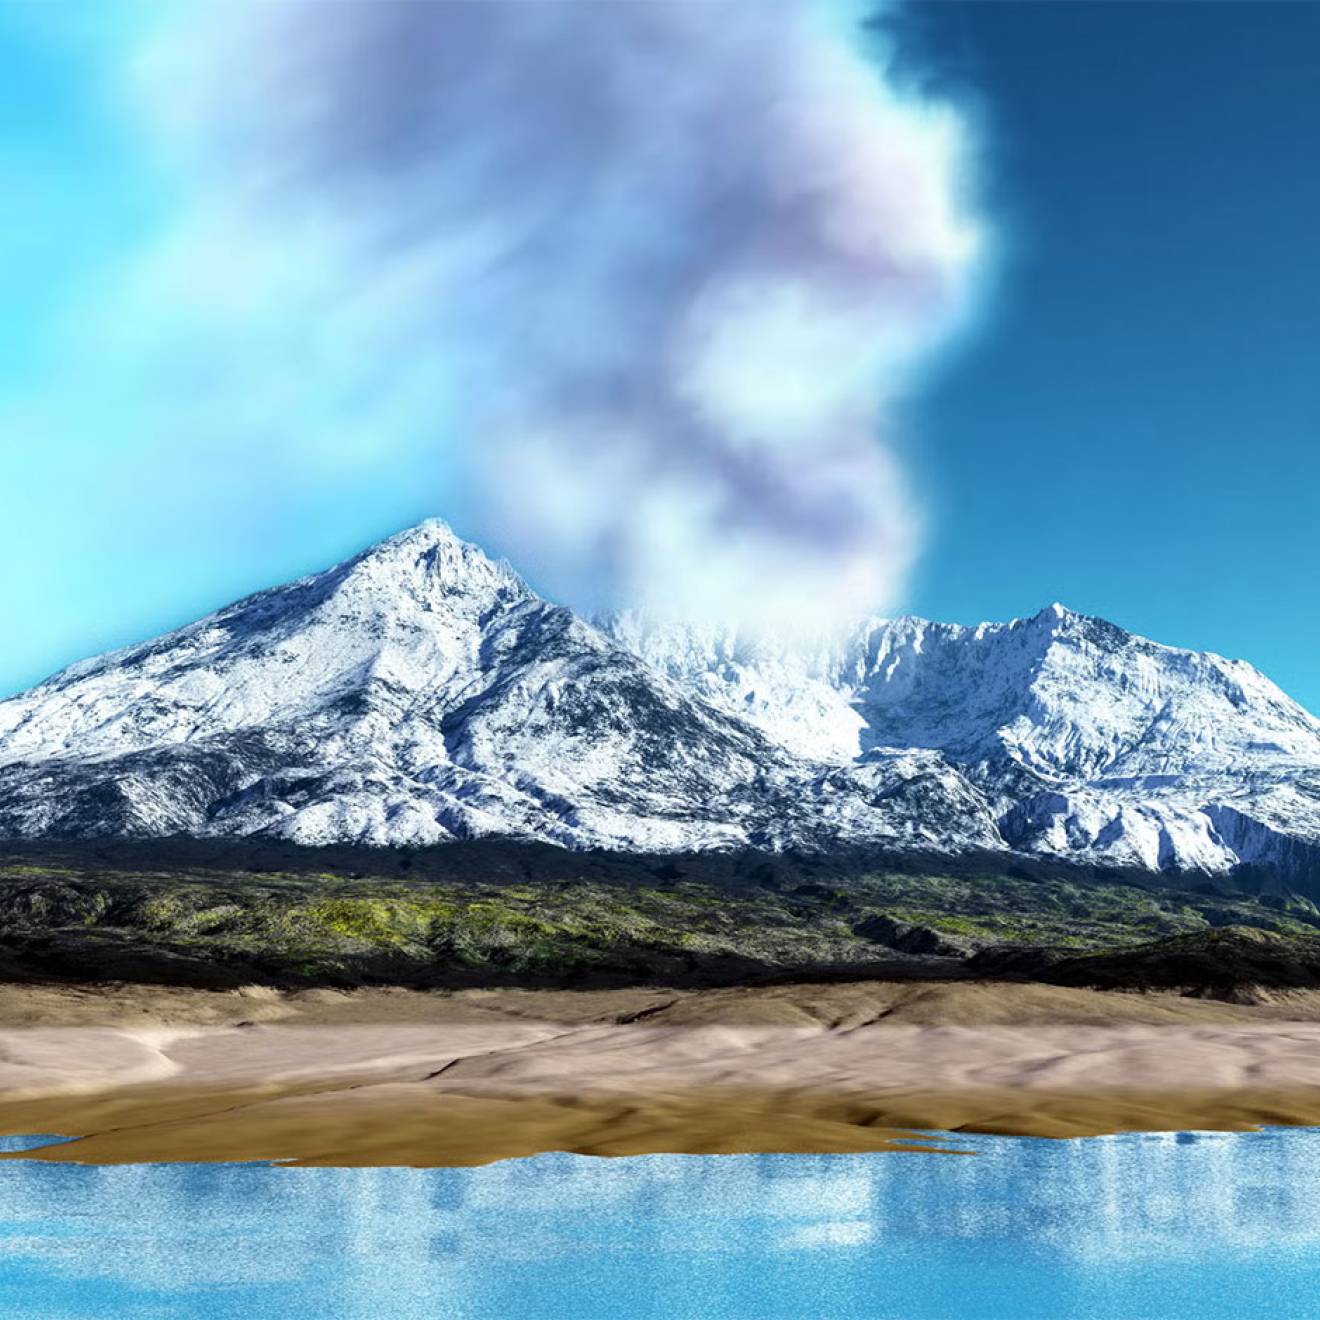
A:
{"x":1004,"y":304}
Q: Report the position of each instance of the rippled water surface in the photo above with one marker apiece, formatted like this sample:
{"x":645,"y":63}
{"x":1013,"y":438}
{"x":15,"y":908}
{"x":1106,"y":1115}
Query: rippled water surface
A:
{"x":1116,"y":1228}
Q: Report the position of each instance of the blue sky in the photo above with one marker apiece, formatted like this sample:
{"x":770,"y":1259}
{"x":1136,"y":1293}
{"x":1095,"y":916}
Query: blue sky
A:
{"x":1136,"y":431}
{"x":1130,"y":426}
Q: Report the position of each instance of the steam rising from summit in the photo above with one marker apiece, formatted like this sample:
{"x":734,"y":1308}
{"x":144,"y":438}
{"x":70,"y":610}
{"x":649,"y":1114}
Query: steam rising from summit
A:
{"x":644,"y":273}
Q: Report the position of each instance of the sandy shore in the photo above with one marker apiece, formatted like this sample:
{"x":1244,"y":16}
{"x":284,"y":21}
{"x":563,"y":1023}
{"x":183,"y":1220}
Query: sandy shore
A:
{"x":396,"y":1077}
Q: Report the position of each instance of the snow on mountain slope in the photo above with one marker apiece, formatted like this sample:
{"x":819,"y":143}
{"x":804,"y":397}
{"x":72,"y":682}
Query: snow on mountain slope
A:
{"x":421,"y":692}
{"x":414,"y":694}
{"x":1059,"y":694}
{"x":1085,"y":739}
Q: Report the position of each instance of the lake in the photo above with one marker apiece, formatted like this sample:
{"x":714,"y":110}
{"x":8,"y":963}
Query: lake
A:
{"x":1137,"y":1227}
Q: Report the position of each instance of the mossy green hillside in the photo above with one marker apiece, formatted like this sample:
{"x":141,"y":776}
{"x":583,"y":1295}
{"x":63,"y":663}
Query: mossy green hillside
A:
{"x":540,"y":918}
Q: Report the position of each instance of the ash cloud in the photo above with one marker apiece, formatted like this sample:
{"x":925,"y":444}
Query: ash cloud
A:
{"x":643,"y":273}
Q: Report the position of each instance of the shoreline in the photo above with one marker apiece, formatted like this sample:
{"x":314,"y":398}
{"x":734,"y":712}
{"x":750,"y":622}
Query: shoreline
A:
{"x":137,"y":1074}
{"x":394,"y":1128}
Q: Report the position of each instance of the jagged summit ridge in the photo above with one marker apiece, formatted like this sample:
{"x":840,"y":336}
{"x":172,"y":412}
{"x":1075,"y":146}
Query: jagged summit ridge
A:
{"x":421,"y":691}
{"x":1059,"y":693}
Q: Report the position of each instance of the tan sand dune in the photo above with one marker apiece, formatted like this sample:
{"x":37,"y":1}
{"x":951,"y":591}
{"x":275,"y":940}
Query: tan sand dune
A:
{"x":398,"y":1077}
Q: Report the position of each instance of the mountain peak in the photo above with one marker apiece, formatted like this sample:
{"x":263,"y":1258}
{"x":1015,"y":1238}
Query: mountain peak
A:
{"x":428,"y":562}
{"x":1054,"y":616}
{"x":430,"y":533}
{"x":432,"y":537}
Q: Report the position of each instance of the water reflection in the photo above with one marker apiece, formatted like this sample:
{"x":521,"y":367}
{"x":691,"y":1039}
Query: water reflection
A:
{"x":1118,"y":1227}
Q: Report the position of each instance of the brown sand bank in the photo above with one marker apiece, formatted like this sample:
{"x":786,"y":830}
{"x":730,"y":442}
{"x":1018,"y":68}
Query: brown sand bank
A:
{"x":393,"y":1077}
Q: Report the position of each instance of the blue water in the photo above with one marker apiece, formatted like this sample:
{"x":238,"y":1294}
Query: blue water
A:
{"x":1116,"y":1228}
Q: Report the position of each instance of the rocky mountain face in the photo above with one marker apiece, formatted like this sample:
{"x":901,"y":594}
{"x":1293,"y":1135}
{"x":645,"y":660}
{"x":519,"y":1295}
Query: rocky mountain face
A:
{"x":1083,"y":740}
{"x":421,"y":692}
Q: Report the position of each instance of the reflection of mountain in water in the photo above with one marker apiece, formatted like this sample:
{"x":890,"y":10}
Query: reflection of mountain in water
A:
{"x":1039,"y":1230}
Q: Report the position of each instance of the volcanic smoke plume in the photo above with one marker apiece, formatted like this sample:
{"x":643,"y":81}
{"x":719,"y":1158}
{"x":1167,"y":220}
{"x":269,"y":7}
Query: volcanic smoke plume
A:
{"x":644,"y":272}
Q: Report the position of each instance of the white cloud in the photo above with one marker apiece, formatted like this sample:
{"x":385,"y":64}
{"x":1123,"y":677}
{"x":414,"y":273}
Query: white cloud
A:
{"x":640,"y":275}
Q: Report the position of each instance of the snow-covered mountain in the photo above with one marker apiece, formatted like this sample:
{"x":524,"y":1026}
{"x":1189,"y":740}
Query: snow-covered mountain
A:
{"x":1083,"y":739}
{"x":421,"y":692}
